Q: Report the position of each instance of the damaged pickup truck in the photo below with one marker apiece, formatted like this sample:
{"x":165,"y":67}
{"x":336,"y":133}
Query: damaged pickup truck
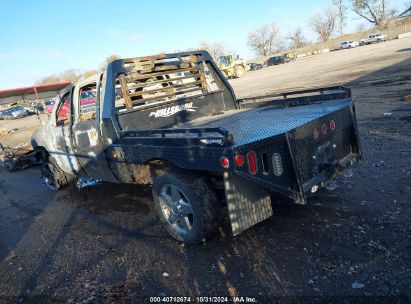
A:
{"x":173,"y":121}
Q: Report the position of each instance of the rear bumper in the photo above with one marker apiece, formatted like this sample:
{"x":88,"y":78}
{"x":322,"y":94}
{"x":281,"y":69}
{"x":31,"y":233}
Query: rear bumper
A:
{"x":331,"y":170}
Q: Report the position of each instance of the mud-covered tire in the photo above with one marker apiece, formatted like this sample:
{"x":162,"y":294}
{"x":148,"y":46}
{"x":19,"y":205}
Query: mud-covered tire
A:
{"x":199,"y":194}
{"x":239,"y":71}
{"x":54,"y":178}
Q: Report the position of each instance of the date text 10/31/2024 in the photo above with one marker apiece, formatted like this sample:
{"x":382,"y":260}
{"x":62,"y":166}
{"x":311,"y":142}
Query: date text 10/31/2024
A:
{"x":170,"y":299}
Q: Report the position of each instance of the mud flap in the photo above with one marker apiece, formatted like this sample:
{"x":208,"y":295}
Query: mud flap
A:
{"x":248,"y":203}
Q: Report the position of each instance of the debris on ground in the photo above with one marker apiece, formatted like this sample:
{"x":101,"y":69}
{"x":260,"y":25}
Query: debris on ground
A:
{"x":357,"y":285}
{"x":5,"y":131}
{"x":94,"y":292}
{"x":17,"y":158}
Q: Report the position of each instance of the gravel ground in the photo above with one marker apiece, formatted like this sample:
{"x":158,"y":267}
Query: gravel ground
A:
{"x":353,"y":243}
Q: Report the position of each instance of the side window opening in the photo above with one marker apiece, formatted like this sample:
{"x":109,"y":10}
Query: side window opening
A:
{"x":63,"y":112}
{"x":87,"y":102}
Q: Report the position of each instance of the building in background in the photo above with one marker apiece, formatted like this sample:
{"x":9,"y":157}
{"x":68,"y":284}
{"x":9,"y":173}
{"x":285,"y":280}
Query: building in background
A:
{"x":30,"y":95}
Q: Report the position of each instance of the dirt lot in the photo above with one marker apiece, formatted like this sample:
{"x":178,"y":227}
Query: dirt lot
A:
{"x":352,"y":242}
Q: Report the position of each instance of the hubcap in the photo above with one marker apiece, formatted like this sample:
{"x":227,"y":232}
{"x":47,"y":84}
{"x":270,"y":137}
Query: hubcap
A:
{"x":176,"y":208}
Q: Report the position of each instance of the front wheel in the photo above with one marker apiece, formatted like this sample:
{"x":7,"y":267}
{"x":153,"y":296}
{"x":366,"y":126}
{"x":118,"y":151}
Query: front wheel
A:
{"x":239,"y":71}
{"x":53,"y":176}
{"x":186,"y":205}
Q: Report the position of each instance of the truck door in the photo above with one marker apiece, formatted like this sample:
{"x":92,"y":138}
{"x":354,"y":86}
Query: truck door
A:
{"x":88,"y":145}
{"x":59,"y":130}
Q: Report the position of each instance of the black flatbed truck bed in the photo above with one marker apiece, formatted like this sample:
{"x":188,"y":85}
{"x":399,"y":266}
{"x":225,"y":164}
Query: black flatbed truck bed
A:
{"x":167,"y":117}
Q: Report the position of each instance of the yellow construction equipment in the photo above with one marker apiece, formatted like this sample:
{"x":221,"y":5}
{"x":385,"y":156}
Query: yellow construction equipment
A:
{"x":232,"y":67}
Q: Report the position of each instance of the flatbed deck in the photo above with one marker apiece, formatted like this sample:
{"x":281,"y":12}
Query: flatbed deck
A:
{"x":251,"y":125}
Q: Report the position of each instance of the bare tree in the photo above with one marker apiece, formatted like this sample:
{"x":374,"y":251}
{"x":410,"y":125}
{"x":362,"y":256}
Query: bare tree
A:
{"x":323,"y":23}
{"x":374,"y":11}
{"x":48,"y":79}
{"x":108,"y":59}
{"x":341,"y":10}
{"x":216,"y":49}
{"x":265,"y":40}
{"x":67,"y":75}
{"x":89,"y":73}
{"x":297,"y":39}
{"x":407,"y":10}
{"x":361,"y":27}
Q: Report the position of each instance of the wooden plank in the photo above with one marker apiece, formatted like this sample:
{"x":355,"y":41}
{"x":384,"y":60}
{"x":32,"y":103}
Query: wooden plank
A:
{"x":155,"y":57}
{"x":203,"y":83}
{"x":165,"y":67}
{"x":183,"y":85}
{"x":133,"y":85}
{"x":141,"y":101}
{"x":151,"y":75}
{"x":125,"y":92}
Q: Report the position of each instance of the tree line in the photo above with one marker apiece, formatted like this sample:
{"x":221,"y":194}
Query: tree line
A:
{"x":267,"y":39}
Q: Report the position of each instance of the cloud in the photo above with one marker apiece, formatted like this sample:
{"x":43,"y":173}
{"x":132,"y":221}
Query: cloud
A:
{"x":116,"y":33}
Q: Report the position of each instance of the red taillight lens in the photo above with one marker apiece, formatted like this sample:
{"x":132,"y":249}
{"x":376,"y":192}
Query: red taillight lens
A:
{"x":316,"y":133}
{"x":324,"y":129}
{"x":332,"y":125}
{"x":252,"y":162}
{"x":239,"y":160}
{"x":224,"y":162}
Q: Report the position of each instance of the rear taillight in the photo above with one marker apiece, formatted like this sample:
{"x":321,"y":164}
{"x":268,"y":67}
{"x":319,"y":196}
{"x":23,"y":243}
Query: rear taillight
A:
{"x":239,"y":160}
{"x":332,"y":125}
{"x":224,"y":162}
{"x":324,"y":129}
{"x":252,"y":162}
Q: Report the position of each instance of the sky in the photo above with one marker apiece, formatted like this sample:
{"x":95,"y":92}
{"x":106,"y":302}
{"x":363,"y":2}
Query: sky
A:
{"x":40,"y":38}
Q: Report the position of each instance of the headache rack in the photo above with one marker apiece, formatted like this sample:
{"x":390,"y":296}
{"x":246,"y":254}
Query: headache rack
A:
{"x":160,"y":78}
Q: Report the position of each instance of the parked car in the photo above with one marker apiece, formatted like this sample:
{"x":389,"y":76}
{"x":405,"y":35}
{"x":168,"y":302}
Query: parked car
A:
{"x":14,"y":113}
{"x":255,"y":66}
{"x":39,"y":107}
{"x":275,"y":60}
{"x":49,"y":105}
{"x":374,"y":38}
{"x":278,"y":60}
{"x":349,"y":44}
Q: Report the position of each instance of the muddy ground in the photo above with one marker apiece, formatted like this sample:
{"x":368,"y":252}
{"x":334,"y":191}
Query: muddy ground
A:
{"x":353,"y":243}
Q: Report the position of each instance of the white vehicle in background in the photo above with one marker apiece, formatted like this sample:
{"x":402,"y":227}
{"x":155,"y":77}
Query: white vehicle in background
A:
{"x":349,"y":44}
{"x":374,"y":38}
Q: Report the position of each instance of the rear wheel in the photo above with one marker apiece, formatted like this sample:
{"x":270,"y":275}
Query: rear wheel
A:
{"x":239,"y":71}
{"x":186,"y":205}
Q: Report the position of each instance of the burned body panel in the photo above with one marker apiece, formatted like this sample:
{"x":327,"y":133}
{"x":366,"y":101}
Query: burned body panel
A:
{"x":145,"y":117}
